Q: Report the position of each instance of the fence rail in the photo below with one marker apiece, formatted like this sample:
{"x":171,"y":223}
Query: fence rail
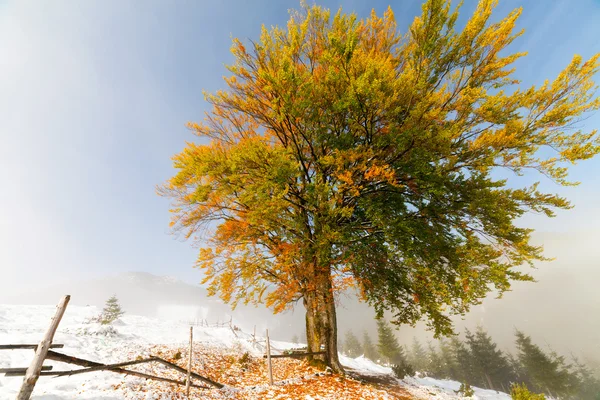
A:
{"x":43,"y":352}
{"x":296,"y":355}
{"x":27,"y":346}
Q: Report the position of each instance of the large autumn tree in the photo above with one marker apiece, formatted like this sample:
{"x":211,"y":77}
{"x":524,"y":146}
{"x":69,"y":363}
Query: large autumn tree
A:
{"x":344,"y":153}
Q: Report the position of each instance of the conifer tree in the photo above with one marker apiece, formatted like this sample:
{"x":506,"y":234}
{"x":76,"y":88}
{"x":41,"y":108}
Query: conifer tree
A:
{"x":589,"y":385}
{"x":352,"y":347}
{"x":435,"y":364}
{"x":111,"y":311}
{"x":493,"y":367}
{"x":369,"y":349}
{"x":449,"y":363}
{"x":388,"y":346}
{"x":402,"y":367}
{"x":547,"y":373}
{"x":518,"y":370}
{"x":464,"y":359}
{"x":418,"y":356}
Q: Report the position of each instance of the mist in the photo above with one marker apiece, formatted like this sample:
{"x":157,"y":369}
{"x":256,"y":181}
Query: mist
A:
{"x":559,"y":310}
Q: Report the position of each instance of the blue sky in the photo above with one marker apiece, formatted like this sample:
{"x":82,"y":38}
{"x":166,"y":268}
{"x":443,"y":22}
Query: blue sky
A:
{"x":94,"y":97}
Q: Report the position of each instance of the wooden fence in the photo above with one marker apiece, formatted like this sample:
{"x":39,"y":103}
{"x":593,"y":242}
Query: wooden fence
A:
{"x":43,"y":352}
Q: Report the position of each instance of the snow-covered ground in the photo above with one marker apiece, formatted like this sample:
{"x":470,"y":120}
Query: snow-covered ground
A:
{"x":134,"y":335}
{"x":429,"y":388}
{"x":422,"y":387}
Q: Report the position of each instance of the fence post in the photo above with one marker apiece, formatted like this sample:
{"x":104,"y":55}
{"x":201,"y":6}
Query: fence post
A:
{"x":269,"y":366}
{"x":231,"y":326}
{"x":33,"y":372}
{"x":189,"y":371}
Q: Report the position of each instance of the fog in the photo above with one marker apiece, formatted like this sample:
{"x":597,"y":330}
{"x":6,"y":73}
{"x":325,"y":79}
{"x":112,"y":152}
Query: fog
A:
{"x":560,"y":310}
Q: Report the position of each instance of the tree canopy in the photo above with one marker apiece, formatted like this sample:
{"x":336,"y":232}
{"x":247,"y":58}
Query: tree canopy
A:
{"x":344,"y":153}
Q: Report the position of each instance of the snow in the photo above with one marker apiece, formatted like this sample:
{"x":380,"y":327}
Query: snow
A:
{"x":131,"y":334}
{"x":425,"y":387}
{"x":134,"y":335}
{"x":365,"y":366}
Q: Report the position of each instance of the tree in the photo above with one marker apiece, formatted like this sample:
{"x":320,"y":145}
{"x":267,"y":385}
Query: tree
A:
{"x":451,"y":369}
{"x":435,"y":362}
{"x":353,"y":347}
{"x":464,"y":359}
{"x":295,"y":339}
{"x":589,"y":387}
{"x":402,"y":368}
{"x":388,"y":346}
{"x":547,"y":373}
{"x":369,"y":349}
{"x":493,"y":368}
{"x":418,"y":356}
{"x":111,"y":311}
{"x":392,"y":352}
{"x":518,"y":370}
{"x":344,"y":153}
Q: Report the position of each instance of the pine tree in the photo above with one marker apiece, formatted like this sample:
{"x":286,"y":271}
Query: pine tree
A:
{"x":589,"y":385}
{"x":464,"y":359}
{"x":111,"y":311}
{"x":547,"y":373}
{"x":518,"y":371}
{"x":493,"y":368}
{"x":352,"y":347}
{"x":369,"y":349}
{"x":451,"y":369}
{"x":418,"y":356}
{"x":388,"y":346}
{"x":435,"y":364}
{"x":402,"y":368}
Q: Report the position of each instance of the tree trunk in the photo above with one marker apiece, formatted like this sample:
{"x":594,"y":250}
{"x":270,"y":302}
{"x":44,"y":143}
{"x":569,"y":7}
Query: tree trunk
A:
{"x":321,"y":323}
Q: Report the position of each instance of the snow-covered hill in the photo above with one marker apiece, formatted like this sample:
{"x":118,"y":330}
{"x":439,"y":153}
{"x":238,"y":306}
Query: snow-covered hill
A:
{"x":149,"y":295}
{"x":137,"y":335}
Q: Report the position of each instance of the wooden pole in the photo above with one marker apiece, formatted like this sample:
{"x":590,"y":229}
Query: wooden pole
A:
{"x":52,"y":355}
{"x":269,"y":365}
{"x":27,"y":346}
{"x":104,"y":367}
{"x":194,"y":375}
{"x":296,"y":355}
{"x":189,"y":371}
{"x":23,"y":370}
{"x":33,"y":372}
